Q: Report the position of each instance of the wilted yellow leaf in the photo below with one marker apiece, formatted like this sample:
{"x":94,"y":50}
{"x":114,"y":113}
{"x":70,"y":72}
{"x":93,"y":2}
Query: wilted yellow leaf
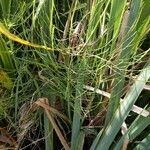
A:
{"x":5,"y":80}
{"x":15,"y":38}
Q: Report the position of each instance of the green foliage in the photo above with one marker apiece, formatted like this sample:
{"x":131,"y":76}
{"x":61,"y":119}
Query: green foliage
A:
{"x":53,"y":49}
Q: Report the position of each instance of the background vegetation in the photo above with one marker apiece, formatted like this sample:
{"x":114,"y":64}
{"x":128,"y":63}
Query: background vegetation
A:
{"x":74,"y":74}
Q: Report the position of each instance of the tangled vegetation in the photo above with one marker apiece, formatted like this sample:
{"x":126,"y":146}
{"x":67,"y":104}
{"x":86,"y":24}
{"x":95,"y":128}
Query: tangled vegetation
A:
{"x":74,"y":74}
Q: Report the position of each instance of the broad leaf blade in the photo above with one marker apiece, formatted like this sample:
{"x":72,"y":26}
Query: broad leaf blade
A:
{"x":122,"y":111}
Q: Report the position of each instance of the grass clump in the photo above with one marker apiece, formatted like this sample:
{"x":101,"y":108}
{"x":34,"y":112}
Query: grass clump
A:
{"x":76,"y":71}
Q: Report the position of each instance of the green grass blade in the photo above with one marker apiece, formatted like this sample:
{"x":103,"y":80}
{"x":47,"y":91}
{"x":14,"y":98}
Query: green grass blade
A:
{"x":144,"y":144}
{"x":48,"y":131}
{"x":123,"y":61}
{"x":117,"y":10}
{"x":138,"y":127}
{"x":6,"y":8}
{"x":116,"y":16}
{"x":6,"y":60}
{"x":81,"y":139}
{"x":96,"y":14}
{"x":122,"y":112}
{"x":134,"y":130}
{"x":77,"y":107}
{"x":143,"y":24}
{"x":43,"y":17}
